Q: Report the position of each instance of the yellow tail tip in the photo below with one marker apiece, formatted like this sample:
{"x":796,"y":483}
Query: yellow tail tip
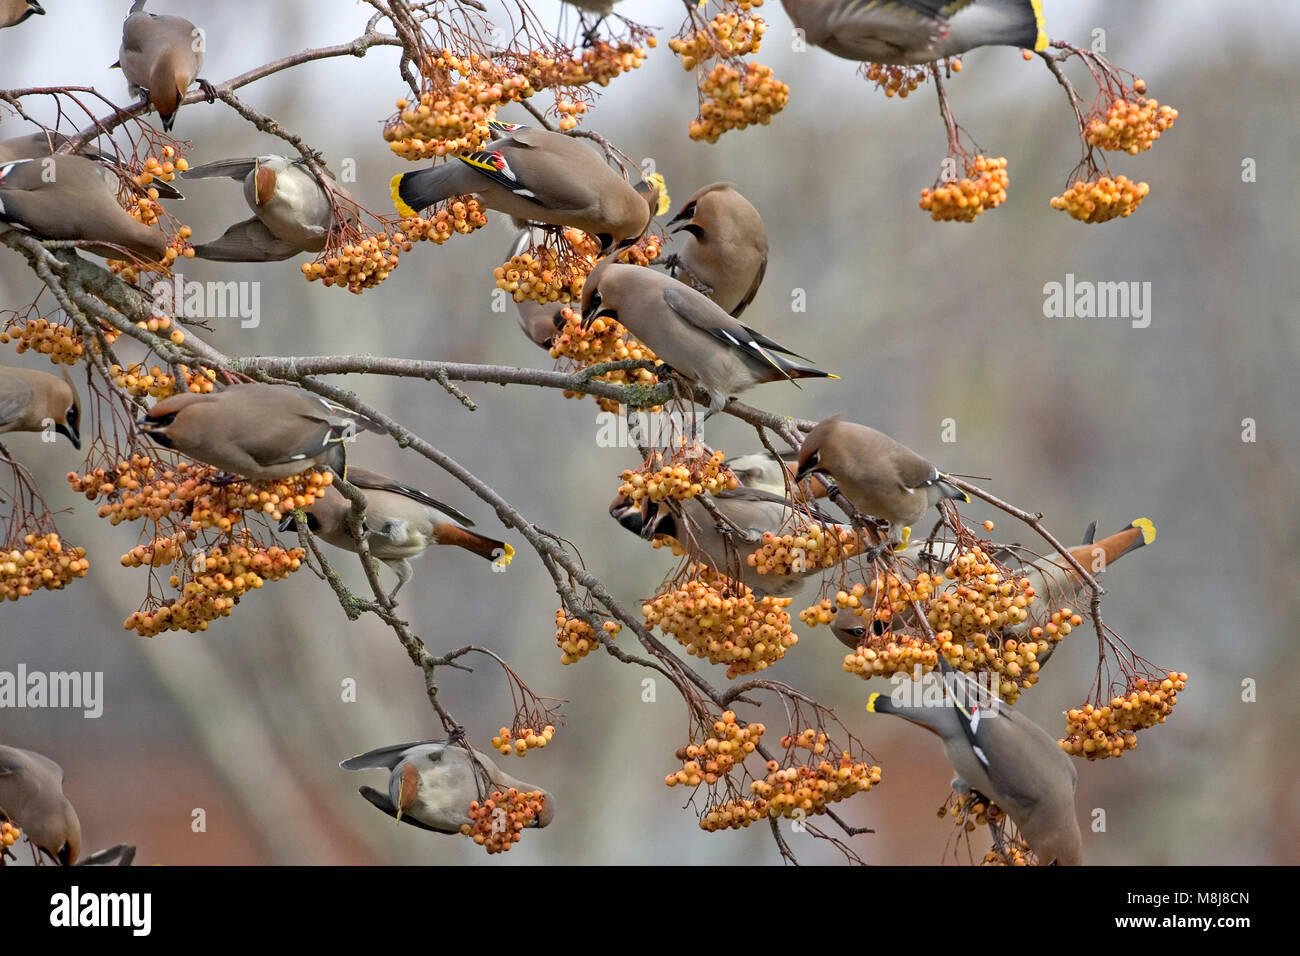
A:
{"x":394,"y":184}
{"x":907,"y":536}
{"x":871,"y":703}
{"x":1041,"y":41}
{"x":507,"y":555}
{"x":829,"y":375}
{"x":1147,"y":527}
{"x":661,"y":186}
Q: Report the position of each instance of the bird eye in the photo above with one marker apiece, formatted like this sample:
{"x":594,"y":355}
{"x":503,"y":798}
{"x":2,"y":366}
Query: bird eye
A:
{"x":857,"y":631}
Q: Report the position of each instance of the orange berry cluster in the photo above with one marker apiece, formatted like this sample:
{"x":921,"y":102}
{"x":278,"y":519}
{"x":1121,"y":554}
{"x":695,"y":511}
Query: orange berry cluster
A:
{"x":40,"y":562}
{"x":164,"y":169}
{"x":727,"y":35}
{"x":1010,"y":854}
{"x":1130,"y":126}
{"x":901,"y":80}
{"x":605,"y":340}
{"x":879,"y":655}
{"x":718,"y":619}
{"x":810,"y":549}
{"x":142,"y":488}
{"x":548,"y":274}
{"x":223,"y":576}
{"x":1109,"y":730}
{"x":686,"y":478}
{"x":810,"y":789}
{"x":358,"y":265}
{"x":159,"y":551}
{"x":9,"y":834}
{"x":452,"y":116}
{"x":519,"y":744}
{"x":575,"y":638}
{"x":1103,"y":200}
{"x":137,"y":380}
{"x":61,"y":344}
{"x":733,"y":100}
{"x":499,"y":822}
{"x":642,"y":252}
{"x":709,"y":762}
{"x":598,"y":64}
{"x":984,"y":187}
{"x":459,"y":214}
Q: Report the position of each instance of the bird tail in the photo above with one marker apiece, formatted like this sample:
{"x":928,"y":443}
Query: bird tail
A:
{"x":948,"y":490}
{"x":793,"y":371}
{"x":498,"y":552}
{"x":418,"y":190}
{"x":1139,"y":532}
{"x":1013,"y":22}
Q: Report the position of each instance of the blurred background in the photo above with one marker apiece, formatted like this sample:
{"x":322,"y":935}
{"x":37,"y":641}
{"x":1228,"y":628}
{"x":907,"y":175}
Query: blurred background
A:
{"x":1082,"y":419}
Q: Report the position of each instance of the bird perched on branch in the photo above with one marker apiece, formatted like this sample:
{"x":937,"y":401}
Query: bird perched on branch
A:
{"x":725,"y":252}
{"x":257,"y":431}
{"x":292,"y":212}
{"x":431,"y":784}
{"x":14,"y":12}
{"x":878,"y":475}
{"x":1056,"y":583}
{"x":912,"y":32}
{"x":999,"y":752}
{"x":67,"y":197}
{"x":41,"y":143}
{"x":31,"y":796}
{"x":31,"y":401}
{"x":749,"y":513}
{"x":536,"y":176}
{"x":689,"y":332}
{"x":401,"y":523}
{"x":160,"y":57}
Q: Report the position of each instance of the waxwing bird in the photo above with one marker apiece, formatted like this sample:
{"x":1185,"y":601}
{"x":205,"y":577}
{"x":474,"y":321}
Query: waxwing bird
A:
{"x":31,"y":796}
{"x":41,"y":144}
{"x":750,"y":513}
{"x":688,"y":331}
{"x":1056,"y":583}
{"x":14,"y":12}
{"x":403,"y":522}
{"x":259,"y":432}
{"x":912,"y":32}
{"x":30,"y":401}
{"x":536,"y":176}
{"x":879,"y":476}
{"x":725,"y":252}
{"x":292,"y":213}
{"x":432,"y":783}
{"x":774,"y":475}
{"x":849,"y":629}
{"x":999,"y":752}
{"x":160,"y":56}
{"x":67,"y":197}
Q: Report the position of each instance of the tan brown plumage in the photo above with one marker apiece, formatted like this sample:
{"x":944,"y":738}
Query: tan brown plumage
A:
{"x":29,"y":399}
{"x":14,"y":12}
{"x":725,"y":252}
{"x":260,"y":432}
{"x":160,"y":56}
{"x":67,"y":197}
{"x":31,"y":796}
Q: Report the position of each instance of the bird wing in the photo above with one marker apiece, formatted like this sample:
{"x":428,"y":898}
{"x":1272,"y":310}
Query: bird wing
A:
{"x":743,"y":304}
{"x":901,"y":24}
{"x":757,"y":494}
{"x":15,"y":396}
{"x":381,"y":801}
{"x":383,"y":758}
{"x":247,"y":241}
{"x":750,"y":343}
{"x":494,"y":165}
{"x":377,"y":482}
{"x":237,"y":169}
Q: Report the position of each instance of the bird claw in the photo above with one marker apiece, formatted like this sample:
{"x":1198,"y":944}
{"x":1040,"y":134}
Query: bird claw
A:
{"x":208,"y":89}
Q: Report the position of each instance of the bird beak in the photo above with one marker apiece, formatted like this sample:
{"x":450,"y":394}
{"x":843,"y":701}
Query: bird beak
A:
{"x":806,"y":469}
{"x":70,"y":433}
{"x":591,"y":317}
{"x":36,"y":8}
{"x":287,"y":522}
